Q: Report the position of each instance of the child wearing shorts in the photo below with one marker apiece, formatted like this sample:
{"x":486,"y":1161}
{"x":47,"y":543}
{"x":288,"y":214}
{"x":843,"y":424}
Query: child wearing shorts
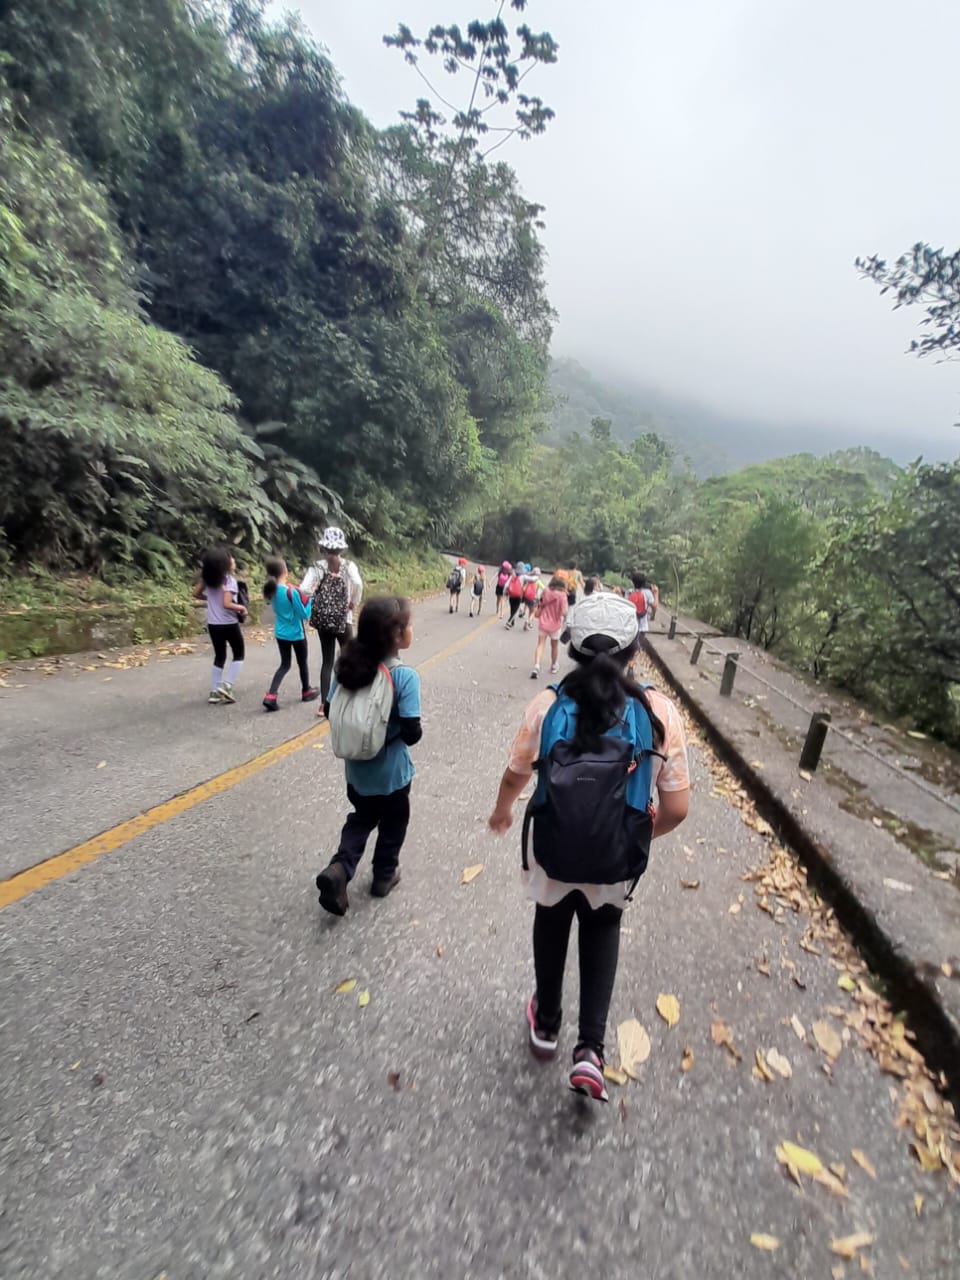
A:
{"x":551,"y":613}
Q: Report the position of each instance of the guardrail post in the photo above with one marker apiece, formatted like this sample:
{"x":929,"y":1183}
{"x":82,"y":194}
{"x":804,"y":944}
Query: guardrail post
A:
{"x":729,"y":674}
{"x":816,"y":736}
{"x":697,"y":650}
{"x":672,"y":633}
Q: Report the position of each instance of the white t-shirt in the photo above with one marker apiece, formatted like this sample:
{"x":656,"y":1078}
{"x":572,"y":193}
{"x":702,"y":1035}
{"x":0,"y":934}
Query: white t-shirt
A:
{"x":354,"y":584}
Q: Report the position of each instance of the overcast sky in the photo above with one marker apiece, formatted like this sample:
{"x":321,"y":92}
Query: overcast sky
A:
{"x":714,"y":169}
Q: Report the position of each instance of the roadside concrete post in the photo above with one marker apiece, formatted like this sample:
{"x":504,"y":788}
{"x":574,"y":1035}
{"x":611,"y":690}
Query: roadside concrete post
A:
{"x":697,"y":650}
{"x":672,"y":633}
{"x":729,"y":674}
{"x":816,"y":736}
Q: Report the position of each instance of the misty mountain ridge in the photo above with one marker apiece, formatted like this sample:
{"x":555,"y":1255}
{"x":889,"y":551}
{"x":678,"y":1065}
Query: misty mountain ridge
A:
{"x":712,"y":442}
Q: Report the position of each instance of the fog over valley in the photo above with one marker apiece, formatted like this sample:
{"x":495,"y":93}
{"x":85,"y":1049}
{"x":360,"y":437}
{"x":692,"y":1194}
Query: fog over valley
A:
{"x":710,"y":177}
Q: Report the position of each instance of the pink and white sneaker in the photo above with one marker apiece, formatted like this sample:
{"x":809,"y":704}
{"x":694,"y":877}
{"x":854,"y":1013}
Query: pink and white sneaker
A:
{"x":543,"y":1044}
{"x":587,"y":1074}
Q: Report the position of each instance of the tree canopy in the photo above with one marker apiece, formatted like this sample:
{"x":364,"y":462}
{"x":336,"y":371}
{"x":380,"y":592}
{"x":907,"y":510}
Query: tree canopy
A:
{"x":361,"y":316}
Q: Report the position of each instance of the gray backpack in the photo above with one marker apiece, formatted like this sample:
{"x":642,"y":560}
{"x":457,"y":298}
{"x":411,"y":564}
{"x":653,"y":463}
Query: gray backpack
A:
{"x":359,"y":717}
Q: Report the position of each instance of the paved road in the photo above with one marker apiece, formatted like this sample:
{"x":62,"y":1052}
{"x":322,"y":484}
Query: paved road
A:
{"x":184,"y":1094}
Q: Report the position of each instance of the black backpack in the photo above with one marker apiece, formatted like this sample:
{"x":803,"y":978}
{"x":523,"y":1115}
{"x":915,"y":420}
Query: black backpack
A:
{"x":591,"y":814}
{"x":330,"y":606}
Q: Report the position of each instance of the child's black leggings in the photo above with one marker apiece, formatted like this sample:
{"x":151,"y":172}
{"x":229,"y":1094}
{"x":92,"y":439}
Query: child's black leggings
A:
{"x":287,"y":649}
{"x":514,"y":606}
{"x":222,"y":634}
{"x":328,"y":651}
{"x":599,"y":940}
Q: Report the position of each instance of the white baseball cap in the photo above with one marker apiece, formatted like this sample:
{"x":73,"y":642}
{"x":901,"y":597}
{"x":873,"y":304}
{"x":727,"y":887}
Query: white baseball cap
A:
{"x":603,"y":615}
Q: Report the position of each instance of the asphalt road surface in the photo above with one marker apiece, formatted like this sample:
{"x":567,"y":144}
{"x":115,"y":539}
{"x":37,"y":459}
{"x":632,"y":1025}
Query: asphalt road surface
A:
{"x":185,"y":1094}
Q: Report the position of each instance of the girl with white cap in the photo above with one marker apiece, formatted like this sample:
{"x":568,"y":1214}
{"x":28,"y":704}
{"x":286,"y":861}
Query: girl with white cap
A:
{"x":598,"y":727}
{"x":337,"y":589}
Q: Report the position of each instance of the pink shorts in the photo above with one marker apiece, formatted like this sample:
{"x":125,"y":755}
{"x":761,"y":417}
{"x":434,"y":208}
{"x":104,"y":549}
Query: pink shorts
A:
{"x":552,"y":635}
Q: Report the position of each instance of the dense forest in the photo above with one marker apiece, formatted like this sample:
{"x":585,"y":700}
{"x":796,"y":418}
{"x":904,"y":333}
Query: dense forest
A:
{"x":231,"y":308}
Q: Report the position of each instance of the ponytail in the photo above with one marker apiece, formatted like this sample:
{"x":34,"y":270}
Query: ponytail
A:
{"x":275,"y":568}
{"x":600,"y":686}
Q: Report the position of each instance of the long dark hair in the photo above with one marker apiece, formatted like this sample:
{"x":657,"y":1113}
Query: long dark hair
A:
{"x":275,"y":569}
{"x":380,"y":627}
{"x":214,"y":567}
{"x":600,"y":686}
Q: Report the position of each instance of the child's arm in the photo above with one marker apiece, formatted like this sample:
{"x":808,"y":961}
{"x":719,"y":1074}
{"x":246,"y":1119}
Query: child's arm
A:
{"x":300,"y":602}
{"x":408,"y":707}
{"x":231,"y":604}
{"x":199,"y":591}
{"x":511,"y":785}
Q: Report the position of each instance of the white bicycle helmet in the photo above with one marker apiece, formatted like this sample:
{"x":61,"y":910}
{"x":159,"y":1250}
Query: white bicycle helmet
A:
{"x":332,"y":539}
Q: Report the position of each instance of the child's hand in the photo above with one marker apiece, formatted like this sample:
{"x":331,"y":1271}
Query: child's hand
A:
{"x":500,"y":821}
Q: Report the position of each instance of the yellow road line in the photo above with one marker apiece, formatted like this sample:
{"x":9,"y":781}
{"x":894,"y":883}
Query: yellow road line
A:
{"x":23,"y":883}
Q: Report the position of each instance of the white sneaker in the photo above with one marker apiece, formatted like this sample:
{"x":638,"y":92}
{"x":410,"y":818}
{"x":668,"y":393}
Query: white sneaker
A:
{"x":554,"y":670}
{"x":226,"y":693}
{"x":535,"y":673}
{"x":214,"y":697}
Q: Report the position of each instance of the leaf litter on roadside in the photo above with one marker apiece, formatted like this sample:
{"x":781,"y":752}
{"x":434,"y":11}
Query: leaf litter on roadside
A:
{"x":780,"y":887}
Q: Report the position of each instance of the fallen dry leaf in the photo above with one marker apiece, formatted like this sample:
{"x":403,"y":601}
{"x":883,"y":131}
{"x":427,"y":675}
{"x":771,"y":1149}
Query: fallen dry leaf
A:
{"x":668,"y":1008}
{"x":928,"y":1159}
{"x":471,"y":873}
{"x":761,"y":1071}
{"x":947,"y":970}
{"x":917,"y":1204}
{"x":102,"y":764}
{"x":439,"y":951}
{"x":846,"y":982}
{"x":393,"y":1079}
{"x":614,"y":1074}
{"x":898,"y":885}
{"x":689,"y":884}
{"x":363,"y":999}
{"x":720,"y":1034}
{"x":764,"y":968}
{"x":733,"y":908}
{"x":864,"y":1162}
{"x":686,"y":1060}
{"x":799,"y":1160}
{"x":343,"y":987}
{"x":633,"y":1046}
{"x":847,"y":1246}
{"x":760,"y":1240}
{"x":779,"y":1063}
{"x":827,"y":1038}
{"x":798,"y":1028}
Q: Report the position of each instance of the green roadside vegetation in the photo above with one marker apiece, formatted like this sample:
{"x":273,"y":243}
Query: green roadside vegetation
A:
{"x":41,"y":614}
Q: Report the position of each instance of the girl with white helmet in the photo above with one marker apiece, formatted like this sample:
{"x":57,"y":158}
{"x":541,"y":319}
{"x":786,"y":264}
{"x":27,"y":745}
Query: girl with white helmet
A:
{"x":337,"y":589}
{"x":590,"y":842}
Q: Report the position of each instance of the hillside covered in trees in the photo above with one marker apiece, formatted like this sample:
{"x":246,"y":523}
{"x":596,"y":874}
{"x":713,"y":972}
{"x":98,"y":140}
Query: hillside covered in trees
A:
{"x":232,"y":309}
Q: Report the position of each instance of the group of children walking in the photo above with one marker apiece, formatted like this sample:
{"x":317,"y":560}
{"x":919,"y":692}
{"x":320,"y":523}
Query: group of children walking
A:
{"x":598,"y":726}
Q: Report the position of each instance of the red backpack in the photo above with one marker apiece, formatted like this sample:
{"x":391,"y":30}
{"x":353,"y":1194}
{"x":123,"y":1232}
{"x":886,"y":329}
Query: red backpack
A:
{"x":639,"y":602}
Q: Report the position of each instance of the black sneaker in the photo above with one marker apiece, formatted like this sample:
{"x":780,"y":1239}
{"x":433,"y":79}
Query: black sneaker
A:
{"x":543,"y":1044}
{"x":309,"y":695}
{"x":380,"y":888}
{"x":270,"y":701}
{"x":332,"y":883}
